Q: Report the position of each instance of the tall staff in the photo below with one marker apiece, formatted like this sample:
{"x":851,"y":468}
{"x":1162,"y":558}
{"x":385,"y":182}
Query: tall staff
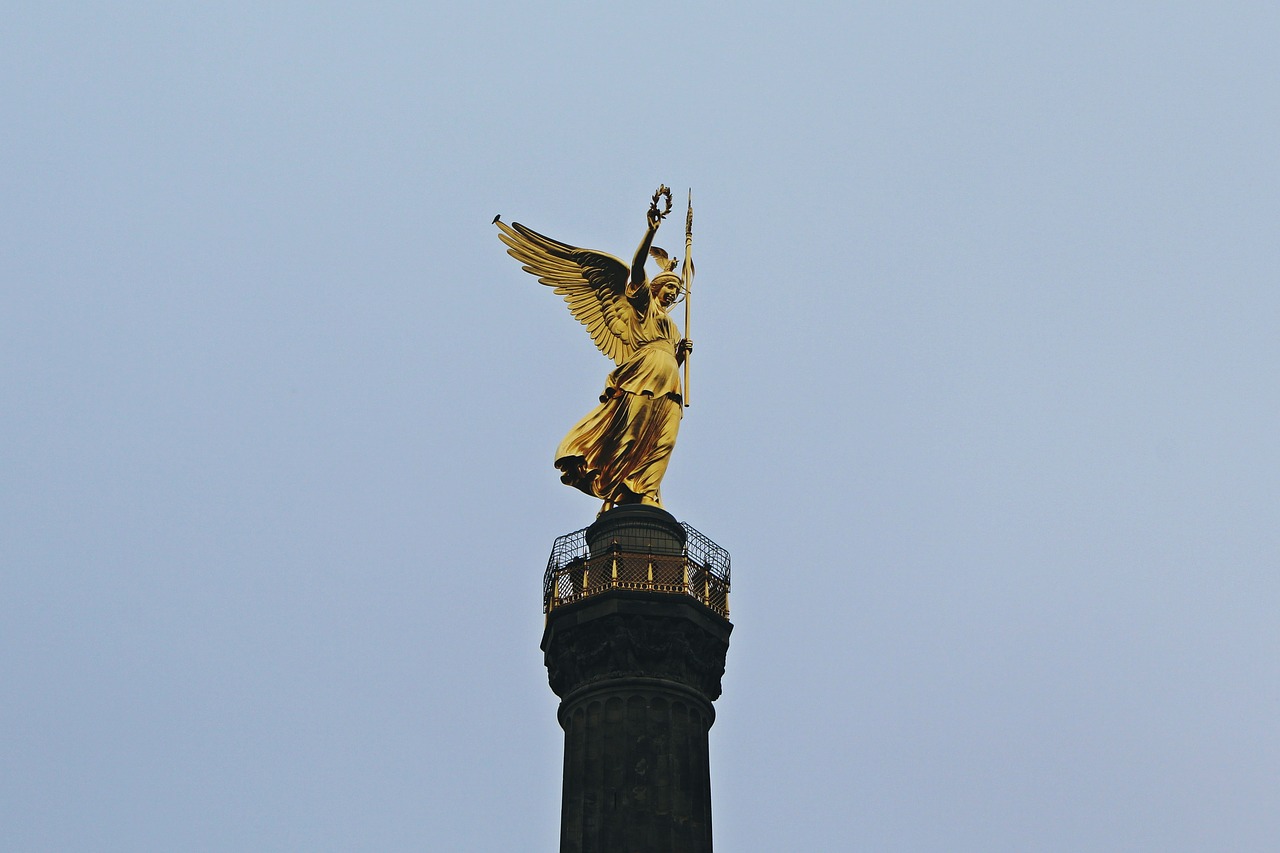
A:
{"x":688,"y":287}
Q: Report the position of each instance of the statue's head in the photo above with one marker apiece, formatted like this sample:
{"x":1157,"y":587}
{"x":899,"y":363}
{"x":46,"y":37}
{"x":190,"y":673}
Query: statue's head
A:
{"x":666,"y":287}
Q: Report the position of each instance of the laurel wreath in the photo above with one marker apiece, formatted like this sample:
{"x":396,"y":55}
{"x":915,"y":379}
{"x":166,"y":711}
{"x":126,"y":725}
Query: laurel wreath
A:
{"x":663,"y":190}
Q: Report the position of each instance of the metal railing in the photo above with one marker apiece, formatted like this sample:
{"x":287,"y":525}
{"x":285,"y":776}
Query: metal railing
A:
{"x":573,"y":573}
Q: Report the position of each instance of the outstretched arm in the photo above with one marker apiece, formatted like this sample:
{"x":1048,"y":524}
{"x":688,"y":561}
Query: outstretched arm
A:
{"x":638,"y":285}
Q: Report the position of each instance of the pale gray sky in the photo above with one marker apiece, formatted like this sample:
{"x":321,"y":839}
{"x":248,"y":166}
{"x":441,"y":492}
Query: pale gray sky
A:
{"x":984,"y":407}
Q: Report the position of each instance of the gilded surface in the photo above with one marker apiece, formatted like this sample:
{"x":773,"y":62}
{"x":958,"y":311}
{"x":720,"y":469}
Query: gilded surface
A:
{"x":619,"y":451}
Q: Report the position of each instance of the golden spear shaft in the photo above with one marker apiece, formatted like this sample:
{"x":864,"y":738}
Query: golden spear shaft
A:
{"x":688,"y":287}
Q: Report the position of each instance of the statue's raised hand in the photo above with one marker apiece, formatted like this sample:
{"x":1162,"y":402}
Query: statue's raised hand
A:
{"x":655,"y":215}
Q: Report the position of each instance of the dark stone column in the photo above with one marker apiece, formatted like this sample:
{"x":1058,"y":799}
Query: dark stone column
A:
{"x":636,"y":672}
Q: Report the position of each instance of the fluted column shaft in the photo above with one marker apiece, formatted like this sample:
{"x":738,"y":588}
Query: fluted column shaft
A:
{"x":636,"y":673}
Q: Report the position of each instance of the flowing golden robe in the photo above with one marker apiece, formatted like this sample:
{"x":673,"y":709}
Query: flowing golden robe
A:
{"x":620,"y":450}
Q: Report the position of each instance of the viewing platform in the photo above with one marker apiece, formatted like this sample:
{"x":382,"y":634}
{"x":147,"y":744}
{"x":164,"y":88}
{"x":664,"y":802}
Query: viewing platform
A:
{"x":639,"y":548}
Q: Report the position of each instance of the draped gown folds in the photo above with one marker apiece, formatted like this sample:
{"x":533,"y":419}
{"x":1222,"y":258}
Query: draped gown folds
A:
{"x":619,"y":451}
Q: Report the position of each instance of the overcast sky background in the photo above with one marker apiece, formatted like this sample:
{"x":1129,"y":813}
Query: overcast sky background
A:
{"x":984,"y":406}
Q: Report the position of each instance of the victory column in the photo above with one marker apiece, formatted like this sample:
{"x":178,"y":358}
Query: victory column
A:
{"x":637,"y":603}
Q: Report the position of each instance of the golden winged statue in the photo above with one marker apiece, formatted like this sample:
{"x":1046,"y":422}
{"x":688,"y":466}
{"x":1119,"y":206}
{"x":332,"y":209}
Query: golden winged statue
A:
{"x":619,"y":451}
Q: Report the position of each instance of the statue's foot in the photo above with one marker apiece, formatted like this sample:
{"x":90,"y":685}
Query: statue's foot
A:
{"x":626,"y":497}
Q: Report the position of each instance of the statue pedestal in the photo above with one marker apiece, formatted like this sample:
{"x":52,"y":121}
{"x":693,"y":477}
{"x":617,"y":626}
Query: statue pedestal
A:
{"x":636,"y":671}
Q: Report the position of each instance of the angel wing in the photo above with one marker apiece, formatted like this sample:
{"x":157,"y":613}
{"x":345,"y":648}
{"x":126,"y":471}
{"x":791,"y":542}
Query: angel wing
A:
{"x":593,"y":283}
